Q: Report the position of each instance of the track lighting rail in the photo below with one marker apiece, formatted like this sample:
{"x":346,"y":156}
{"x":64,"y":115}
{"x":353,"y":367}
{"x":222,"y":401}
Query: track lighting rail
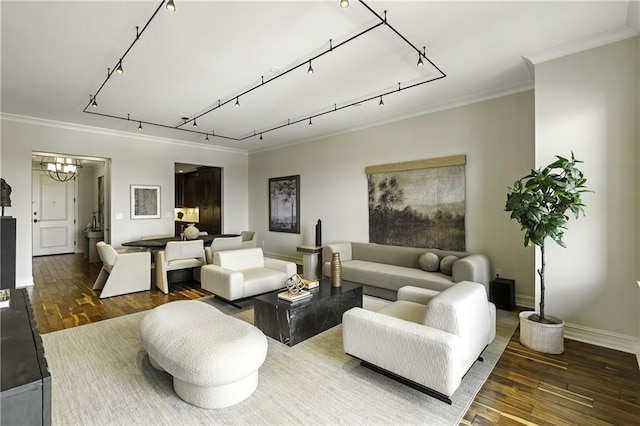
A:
{"x":263,"y":82}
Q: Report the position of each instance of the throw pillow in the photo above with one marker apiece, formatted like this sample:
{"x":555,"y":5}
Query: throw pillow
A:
{"x":446,"y":265}
{"x":429,"y":262}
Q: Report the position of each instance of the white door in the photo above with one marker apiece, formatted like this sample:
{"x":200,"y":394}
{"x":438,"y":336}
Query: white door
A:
{"x":53,"y":215}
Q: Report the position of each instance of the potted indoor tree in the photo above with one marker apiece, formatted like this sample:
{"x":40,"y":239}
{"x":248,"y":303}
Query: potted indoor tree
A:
{"x":540,"y":201}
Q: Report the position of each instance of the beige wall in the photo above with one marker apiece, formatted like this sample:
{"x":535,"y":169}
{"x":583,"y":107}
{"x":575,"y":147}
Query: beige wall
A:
{"x":588,"y":103}
{"x":496,"y":136}
{"x":134,"y":160}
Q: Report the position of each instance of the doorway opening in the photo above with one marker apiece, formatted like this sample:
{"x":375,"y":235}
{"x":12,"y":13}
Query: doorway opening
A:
{"x":198,"y":198}
{"x":62,"y":212}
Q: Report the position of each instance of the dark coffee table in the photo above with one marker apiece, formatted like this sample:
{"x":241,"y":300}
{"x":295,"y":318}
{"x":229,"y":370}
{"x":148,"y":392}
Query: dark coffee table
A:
{"x":293,"y":322}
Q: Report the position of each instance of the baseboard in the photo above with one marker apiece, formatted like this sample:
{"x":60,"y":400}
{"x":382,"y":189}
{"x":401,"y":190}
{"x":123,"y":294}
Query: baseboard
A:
{"x":602,"y":338}
{"x":525,"y":301}
{"x":26,"y":282}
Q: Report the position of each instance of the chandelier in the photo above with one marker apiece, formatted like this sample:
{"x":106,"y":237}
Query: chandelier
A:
{"x":59,"y":168}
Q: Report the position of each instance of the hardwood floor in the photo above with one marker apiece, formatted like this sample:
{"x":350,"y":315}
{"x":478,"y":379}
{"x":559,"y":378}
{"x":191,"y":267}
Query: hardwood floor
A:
{"x":62,"y":294}
{"x":586,"y":385}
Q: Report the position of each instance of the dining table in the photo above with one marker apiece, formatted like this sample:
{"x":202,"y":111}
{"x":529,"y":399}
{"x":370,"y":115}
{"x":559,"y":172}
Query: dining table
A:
{"x":160,"y":243}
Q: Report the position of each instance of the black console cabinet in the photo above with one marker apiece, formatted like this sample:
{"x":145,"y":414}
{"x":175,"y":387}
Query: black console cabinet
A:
{"x":25,"y":379}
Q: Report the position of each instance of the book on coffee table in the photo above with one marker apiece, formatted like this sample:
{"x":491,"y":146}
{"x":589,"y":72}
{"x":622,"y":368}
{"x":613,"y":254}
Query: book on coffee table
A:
{"x":309,"y":284}
{"x":293,"y":297}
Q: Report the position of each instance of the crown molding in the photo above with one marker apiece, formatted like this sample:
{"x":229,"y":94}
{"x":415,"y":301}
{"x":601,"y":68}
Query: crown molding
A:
{"x":455,"y":103}
{"x":581,"y":44}
{"x":109,"y":132}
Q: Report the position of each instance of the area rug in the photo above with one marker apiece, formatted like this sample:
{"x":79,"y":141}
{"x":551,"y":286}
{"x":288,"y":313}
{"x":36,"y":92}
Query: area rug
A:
{"x":101,"y":375}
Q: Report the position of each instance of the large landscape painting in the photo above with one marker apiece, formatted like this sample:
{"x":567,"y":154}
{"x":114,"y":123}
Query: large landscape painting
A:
{"x":418,"y":204}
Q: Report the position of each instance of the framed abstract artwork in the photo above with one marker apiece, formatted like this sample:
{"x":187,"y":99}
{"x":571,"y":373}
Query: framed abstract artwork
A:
{"x":145,"y":201}
{"x":284,"y":204}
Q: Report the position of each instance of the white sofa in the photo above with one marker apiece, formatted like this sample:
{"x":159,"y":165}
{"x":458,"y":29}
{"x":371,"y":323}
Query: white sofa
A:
{"x":383,"y":269}
{"x":429,"y":338}
{"x":237,"y":274}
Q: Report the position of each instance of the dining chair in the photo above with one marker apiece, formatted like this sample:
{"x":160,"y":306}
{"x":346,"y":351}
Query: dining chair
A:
{"x":248,"y":239}
{"x":122,"y":273}
{"x":220,"y":244}
{"x":179,"y":255}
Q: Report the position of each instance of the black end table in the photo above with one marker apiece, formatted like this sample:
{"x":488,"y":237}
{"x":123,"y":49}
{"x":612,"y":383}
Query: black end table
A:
{"x":293,"y":322}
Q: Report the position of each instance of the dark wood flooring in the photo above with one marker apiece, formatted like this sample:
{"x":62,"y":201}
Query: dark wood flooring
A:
{"x":586,"y":385}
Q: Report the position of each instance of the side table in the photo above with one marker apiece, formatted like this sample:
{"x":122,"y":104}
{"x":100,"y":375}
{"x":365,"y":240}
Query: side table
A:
{"x":502,"y":293}
{"x":310,"y":263}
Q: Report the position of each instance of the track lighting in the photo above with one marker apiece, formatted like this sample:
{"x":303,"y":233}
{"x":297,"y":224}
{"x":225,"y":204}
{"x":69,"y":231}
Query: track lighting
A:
{"x":171,"y":6}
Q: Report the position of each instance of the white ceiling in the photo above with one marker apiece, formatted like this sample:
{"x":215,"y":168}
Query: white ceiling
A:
{"x":55,"y":54}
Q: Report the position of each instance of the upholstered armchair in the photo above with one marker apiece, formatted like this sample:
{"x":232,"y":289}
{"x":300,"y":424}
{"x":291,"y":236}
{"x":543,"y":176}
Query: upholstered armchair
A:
{"x":238,"y":274}
{"x":122,"y":273}
{"x":220,"y":244}
{"x":427,"y":338}
{"x":178,"y":255}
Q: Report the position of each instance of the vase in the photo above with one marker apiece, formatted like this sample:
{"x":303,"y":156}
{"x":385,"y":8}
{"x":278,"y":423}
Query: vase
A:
{"x":191,"y":232}
{"x":336,"y":270}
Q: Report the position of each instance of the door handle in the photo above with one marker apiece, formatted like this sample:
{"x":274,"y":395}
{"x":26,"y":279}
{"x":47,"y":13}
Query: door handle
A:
{"x":35,"y":220}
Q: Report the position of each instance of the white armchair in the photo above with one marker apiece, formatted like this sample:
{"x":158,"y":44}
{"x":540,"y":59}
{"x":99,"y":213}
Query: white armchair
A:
{"x":427,"y":338}
{"x":178,"y":255}
{"x":237,"y":274}
{"x":122,"y":273}
{"x":220,"y":244}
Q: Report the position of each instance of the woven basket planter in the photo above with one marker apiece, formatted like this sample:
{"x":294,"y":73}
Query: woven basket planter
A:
{"x":546,"y":338}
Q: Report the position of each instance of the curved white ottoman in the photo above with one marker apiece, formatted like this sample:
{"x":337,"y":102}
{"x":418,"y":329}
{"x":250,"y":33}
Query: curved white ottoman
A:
{"x":213,"y":358}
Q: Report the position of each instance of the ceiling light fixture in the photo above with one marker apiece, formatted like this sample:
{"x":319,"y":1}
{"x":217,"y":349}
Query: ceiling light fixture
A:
{"x":59,"y":168}
{"x":207,"y":138}
{"x":382,"y":22}
{"x":140,"y":125}
{"x":194,"y":123}
{"x":119,"y":69}
{"x":171,"y":6}
{"x":310,"y":122}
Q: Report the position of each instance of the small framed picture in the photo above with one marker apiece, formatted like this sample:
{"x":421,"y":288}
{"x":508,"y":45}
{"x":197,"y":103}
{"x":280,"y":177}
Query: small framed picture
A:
{"x":284,"y":204}
{"x":145,"y":201}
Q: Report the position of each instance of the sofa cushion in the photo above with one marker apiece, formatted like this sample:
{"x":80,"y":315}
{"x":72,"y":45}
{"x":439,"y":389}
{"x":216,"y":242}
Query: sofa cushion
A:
{"x":392,"y":277}
{"x":429,"y":262}
{"x":262,"y":280}
{"x":446,"y":264}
